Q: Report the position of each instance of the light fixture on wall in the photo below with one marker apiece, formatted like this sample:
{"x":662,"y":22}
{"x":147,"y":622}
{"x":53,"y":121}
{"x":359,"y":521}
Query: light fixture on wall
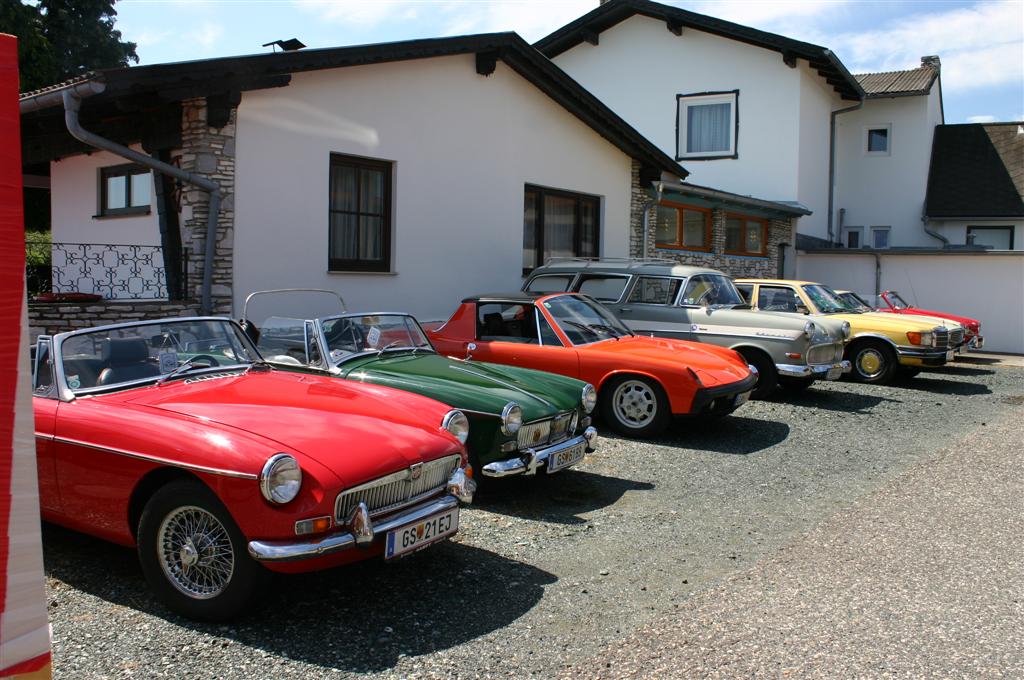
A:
{"x":290,"y":45}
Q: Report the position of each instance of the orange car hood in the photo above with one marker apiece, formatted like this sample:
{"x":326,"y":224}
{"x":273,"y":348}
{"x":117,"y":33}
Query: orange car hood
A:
{"x":714,"y":365}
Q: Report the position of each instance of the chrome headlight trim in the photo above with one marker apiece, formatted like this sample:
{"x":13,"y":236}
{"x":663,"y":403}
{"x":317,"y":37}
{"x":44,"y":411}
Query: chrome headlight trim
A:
{"x":275,"y":489}
{"x":511,"y":418}
{"x":456,"y":422}
{"x":809,"y":329}
{"x":846,"y":330}
{"x":588,"y":398}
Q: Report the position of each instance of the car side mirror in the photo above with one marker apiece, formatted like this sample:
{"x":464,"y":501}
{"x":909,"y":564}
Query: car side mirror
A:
{"x":470,"y":348}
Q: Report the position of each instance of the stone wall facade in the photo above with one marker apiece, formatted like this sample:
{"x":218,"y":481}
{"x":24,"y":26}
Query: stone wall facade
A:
{"x":779,"y":231}
{"x":209,"y":152}
{"x":48,"y":319}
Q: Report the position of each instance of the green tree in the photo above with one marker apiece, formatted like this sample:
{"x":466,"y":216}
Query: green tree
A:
{"x":59,"y":39}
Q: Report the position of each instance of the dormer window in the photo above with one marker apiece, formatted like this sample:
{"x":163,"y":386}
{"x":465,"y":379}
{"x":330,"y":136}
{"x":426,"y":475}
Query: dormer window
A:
{"x":707,"y":125}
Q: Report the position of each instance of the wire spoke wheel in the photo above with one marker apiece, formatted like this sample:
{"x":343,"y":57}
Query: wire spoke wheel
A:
{"x":194,"y":550}
{"x":635,"y":404}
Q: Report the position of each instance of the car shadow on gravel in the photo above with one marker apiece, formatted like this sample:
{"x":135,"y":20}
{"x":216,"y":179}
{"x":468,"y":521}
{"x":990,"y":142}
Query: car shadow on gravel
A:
{"x":735,"y":435}
{"x":955,"y":370}
{"x":559,"y":498}
{"x":358,"y":618}
{"x":832,"y":400}
{"x":925,"y":383}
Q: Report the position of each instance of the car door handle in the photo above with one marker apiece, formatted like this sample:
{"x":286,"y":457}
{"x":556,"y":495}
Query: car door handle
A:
{"x":625,"y":309}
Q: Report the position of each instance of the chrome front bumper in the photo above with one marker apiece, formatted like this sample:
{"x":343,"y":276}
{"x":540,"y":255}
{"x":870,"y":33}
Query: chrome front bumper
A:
{"x":291,"y":551}
{"x":817,"y":371}
{"x":528,"y":461}
{"x":932,"y":353}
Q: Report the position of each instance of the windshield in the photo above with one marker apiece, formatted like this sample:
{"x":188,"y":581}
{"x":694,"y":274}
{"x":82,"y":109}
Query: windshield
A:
{"x":351,"y":335}
{"x":825,"y":300}
{"x":711,"y":290}
{"x":853,"y":301}
{"x":897,"y":301}
{"x":130,"y":354}
{"x":583,"y":320}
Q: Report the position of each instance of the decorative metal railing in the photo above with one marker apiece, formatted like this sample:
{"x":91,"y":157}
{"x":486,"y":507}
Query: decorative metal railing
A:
{"x":111,"y":270}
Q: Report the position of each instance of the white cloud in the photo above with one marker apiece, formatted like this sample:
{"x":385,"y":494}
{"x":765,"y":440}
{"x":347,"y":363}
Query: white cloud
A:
{"x":764,"y":15}
{"x":986,"y":118}
{"x":363,"y":13}
{"x":206,"y":35}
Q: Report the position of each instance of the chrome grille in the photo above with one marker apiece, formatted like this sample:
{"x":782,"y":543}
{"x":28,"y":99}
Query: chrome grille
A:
{"x":941,"y":337}
{"x":956,"y":337}
{"x":396,"y":490}
{"x":542,"y":432}
{"x":824,"y":354}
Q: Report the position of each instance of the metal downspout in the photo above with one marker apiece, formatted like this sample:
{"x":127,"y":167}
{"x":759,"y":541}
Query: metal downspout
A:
{"x":878,"y":274}
{"x":930,"y":232}
{"x":832,"y":164}
{"x":72,"y":103}
{"x":655,"y":200}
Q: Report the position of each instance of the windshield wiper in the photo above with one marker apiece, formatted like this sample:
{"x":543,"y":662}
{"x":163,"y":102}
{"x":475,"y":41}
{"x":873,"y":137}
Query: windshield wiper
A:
{"x":608,"y":329}
{"x":387,"y":347}
{"x":584,"y":327}
{"x":182,"y":367}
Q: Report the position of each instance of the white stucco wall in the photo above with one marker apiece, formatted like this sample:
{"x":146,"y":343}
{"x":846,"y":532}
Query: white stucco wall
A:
{"x":463,"y":146}
{"x":639,"y":67}
{"x":988,"y":287}
{"x":956,"y":230}
{"x":74,"y":205}
{"x":887,"y":190}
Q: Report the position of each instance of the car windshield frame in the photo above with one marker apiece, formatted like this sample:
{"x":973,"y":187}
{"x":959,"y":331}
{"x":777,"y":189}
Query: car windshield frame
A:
{"x":69,"y":386}
{"x":896,"y":300}
{"x":816,"y":294}
{"x":728,"y":285}
{"x":336,"y":362}
{"x":608,"y":319}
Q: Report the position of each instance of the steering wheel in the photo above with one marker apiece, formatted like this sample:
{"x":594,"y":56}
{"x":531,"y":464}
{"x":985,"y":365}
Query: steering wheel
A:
{"x":205,"y":357}
{"x":345,"y":334}
{"x":700,"y":298}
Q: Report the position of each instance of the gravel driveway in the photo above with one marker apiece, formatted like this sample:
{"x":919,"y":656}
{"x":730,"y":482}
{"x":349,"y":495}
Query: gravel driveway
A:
{"x":546,"y":574}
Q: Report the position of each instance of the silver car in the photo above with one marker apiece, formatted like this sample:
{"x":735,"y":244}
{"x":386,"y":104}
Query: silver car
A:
{"x":671,"y":300}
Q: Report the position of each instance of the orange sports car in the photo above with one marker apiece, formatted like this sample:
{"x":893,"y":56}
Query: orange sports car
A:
{"x":641,"y":381}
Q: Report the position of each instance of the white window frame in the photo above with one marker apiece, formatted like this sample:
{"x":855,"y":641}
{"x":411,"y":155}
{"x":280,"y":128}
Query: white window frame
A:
{"x":684,"y":101}
{"x":888,"y":139}
{"x":849,"y":230}
{"x":875,"y":230}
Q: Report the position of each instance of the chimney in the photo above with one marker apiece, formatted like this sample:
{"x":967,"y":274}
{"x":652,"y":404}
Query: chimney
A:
{"x":933,"y":61}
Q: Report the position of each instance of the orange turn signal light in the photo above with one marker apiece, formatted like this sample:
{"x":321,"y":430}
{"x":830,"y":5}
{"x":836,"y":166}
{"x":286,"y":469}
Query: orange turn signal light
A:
{"x":315,"y":525}
{"x":914,"y":337}
{"x":793,"y":355}
{"x":469,"y":471}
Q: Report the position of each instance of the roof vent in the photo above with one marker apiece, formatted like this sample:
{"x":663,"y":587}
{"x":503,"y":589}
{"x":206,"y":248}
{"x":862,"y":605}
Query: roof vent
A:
{"x":293,"y":44}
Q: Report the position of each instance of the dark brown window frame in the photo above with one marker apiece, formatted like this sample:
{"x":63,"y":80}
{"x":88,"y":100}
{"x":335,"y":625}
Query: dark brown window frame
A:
{"x":999,"y":227}
{"x":124,"y":170}
{"x":361,"y":265}
{"x":538,"y":245}
{"x":747,"y":218}
{"x":679,"y":207}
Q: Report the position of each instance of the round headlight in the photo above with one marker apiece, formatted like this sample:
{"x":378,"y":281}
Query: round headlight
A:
{"x":589,"y":398}
{"x":511,"y":418}
{"x":457,"y":423}
{"x":846,"y":329}
{"x":281,"y":478}
{"x":809,"y":328}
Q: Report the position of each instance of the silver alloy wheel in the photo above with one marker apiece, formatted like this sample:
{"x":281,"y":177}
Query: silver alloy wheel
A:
{"x":869,"y":363}
{"x":635,"y":404}
{"x":195,"y":553}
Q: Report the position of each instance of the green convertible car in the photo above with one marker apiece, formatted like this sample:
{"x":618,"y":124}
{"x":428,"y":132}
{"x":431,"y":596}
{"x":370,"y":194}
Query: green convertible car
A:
{"x":517,"y":420}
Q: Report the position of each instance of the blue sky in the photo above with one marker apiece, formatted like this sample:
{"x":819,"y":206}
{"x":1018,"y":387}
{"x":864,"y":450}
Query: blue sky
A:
{"x":981,"y":44}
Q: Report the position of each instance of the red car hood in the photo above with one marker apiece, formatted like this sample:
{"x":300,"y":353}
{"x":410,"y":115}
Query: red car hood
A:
{"x":715,"y":365}
{"x":358,"y":431}
{"x":964,"y":321}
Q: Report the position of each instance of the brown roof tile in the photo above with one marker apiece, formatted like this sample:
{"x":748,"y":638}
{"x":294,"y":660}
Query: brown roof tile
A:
{"x":891,"y":83}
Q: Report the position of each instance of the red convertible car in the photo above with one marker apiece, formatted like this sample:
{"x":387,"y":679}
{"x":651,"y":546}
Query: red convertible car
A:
{"x":641,"y":381}
{"x":175,"y":437}
{"x":893,"y":302}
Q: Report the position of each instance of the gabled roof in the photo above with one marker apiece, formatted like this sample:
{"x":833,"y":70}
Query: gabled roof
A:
{"x":589,"y":26}
{"x":977,"y":171}
{"x":915,"y":81}
{"x":141,"y":88}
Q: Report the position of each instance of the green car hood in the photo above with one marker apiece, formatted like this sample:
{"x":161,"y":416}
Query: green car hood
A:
{"x":469,"y":385}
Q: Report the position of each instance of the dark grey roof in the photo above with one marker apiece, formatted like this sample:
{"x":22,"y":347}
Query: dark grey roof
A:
{"x":140,"y":88}
{"x":728,"y":198}
{"x":914,"y":81}
{"x":977,"y":170}
{"x":589,"y":26}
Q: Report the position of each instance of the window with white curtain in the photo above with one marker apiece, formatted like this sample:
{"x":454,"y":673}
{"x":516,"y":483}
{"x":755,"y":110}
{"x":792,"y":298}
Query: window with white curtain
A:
{"x":559,"y":224}
{"x":359,"y":230}
{"x":706,"y":125}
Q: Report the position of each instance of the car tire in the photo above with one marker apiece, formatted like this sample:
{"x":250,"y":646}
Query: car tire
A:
{"x":767,"y":376}
{"x":874,"y":362}
{"x":795,"y":384}
{"x":194,"y":556}
{"x":634,"y":406}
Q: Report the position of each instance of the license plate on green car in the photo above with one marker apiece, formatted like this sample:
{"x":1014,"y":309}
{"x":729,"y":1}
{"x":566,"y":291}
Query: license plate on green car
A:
{"x":566,"y":457}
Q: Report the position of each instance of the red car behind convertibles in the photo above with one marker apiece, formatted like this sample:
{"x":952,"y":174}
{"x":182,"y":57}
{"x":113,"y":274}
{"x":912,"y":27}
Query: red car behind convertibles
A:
{"x":892,"y":302}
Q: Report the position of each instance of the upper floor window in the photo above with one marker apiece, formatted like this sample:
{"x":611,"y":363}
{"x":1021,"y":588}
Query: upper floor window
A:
{"x":877,"y":140}
{"x":1000,"y":238}
{"x":745,"y":235}
{"x":125,"y":190}
{"x":880,"y":237}
{"x":683,"y":227}
{"x":559,"y":224}
{"x":853,"y":237}
{"x":359,"y":210}
{"x":707,"y":125}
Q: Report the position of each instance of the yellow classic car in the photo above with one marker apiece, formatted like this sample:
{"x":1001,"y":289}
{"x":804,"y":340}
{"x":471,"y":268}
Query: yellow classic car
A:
{"x":880,"y":345}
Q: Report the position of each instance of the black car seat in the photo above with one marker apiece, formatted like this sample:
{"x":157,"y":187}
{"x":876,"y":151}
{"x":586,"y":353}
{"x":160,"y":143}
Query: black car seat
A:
{"x":126,"y":359}
{"x":494,"y":325}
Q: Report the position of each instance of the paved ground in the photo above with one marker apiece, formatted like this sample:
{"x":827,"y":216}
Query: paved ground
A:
{"x":548,"y":575}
